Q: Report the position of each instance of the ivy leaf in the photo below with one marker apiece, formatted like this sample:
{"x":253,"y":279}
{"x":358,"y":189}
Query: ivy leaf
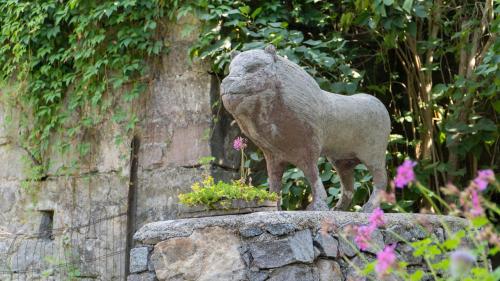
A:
{"x":256,"y":12}
{"x":245,"y":10}
{"x":407,"y":5}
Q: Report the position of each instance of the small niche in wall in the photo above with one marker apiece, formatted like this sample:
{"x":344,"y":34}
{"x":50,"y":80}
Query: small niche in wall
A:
{"x":46,"y":224}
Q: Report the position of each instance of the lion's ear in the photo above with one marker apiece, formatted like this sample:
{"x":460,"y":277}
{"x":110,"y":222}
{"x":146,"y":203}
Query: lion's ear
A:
{"x":270,"y":49}
{"x":234,"y":54}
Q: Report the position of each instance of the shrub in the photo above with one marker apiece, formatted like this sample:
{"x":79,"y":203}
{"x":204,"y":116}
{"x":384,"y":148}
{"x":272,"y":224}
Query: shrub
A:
{"x":463,"y":255}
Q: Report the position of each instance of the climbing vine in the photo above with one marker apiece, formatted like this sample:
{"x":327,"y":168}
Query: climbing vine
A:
{"x":77,"y":64}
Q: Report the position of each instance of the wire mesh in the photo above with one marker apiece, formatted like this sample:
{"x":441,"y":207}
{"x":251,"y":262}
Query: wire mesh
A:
{"x":90,"y":251}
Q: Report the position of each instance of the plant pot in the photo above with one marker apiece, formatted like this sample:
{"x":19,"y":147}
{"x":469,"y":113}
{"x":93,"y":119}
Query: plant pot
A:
{"x":236,"y":207}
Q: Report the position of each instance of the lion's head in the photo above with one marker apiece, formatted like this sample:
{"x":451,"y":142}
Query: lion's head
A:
{"x":264,"y":72}
{"x":250,"y":72}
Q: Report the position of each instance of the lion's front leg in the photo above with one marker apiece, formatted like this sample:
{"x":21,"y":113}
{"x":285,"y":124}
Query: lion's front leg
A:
{"x":318,"y":190}
{"x":275,"y":169}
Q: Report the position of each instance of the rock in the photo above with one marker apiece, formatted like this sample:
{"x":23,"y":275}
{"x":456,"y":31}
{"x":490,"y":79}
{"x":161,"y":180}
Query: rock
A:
{"x":146,"y":276}
{"x":329,"y":270}
{"x":377,"y":242}
{"x":257,"y":275}
{"x":347,"y":247}
{"x":327,"y":245}
{"x":406,"y":253}
{"x":277,"y":253}
{"x":280,"y":228}
{"x":409,"y":233}
{"x":197,"y":256}
{"x":293,"y":273}
{"x":139,"y":259}
{"x":356,"y":264}
{"x":250,"y":231}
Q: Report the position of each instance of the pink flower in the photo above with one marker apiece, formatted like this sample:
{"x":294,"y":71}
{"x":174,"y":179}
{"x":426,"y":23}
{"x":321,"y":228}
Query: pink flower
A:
{"x":239,"y":143}
{"x":385,"y":259}
{"x":377,"y":217}
{"x":476,"y":210}
{"x":405,"y":174}
{"x":364,"y":236}
{"x":483,"y":177}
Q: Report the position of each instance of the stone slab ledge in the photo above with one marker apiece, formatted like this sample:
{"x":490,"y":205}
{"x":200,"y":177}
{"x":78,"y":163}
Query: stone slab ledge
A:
{"x":155,"y":232}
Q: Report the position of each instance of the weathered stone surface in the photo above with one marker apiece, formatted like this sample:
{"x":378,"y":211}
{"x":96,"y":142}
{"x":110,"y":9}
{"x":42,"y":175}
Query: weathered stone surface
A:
{"x":13,"y":155}
{"x":257,"y":275}
{"x":347,"y":247}
{"x":280,"y":228}
{"x":157,"y":231}
{"x":237,"y":252}
{"x":327,"y":245}
{"x":329,"y":270}
{"x":294,"y":273}
{"x":139,"y":259}
{"x":353,"y":267}
{"x":250,"y":231}
{"x":145,"y":276}
{"x":29,"y":255}
{"x":409,"y":232}
{"x":377,"y":242}
{"x":277,"y":253}
{"x":406,"y":254}
{"x":195,"y":257}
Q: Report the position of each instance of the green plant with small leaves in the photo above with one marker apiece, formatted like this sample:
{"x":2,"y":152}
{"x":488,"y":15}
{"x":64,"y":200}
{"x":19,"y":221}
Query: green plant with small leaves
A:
{"x":209,"y":193}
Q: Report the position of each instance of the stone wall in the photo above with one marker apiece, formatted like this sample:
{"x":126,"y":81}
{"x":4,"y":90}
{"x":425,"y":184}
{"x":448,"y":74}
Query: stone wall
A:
{"x":284,"y":246}
{"x":92,"y":211}
{"x":177,"y":130}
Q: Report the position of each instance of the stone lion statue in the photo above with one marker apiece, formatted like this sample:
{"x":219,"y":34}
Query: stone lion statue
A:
{"x":285,"y":113}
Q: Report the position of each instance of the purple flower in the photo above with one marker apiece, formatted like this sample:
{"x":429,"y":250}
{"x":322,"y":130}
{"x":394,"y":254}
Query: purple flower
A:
{"x":239,"y":143}
{"x":385,"y":259}
{"x":461,"y":262}
{"x":405,"y":174}
{"x":364,"y":236}
{"x":377,"y":218}
{"x":483,"y":178}
{"x":476,"y":210}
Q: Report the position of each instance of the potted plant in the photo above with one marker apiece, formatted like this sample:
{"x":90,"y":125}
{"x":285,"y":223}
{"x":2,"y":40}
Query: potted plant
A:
{"x":210,"y":198}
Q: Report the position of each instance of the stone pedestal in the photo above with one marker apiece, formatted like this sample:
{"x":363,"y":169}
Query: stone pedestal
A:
{"x":272,"y":245}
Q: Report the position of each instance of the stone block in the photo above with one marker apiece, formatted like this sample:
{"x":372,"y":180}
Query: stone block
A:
{"x":327,"y":245}
{"x":294,"y":273}
{"x":407,"y":232}
{"x":277,"y":253}
{"x":197,"y":256}
{"x":347,"y":247}
{"x":280,"y":228}
{"x":329,"y":270}
{"x":257,"y":275}
{"x":146,"y":276}
{"x":139,"y":259}
{"x":250,"y":231}
{"x":13,"y":155}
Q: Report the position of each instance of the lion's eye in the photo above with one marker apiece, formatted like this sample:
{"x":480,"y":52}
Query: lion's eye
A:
{"x":253,"y":68}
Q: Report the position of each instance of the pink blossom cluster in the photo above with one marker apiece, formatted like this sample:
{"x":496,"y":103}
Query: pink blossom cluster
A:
{"x":364,"y":233}
{"x":386,"y":258}
{"x":479,"y":184}
{"x":239,"y":143}
{"x":405,"y":174}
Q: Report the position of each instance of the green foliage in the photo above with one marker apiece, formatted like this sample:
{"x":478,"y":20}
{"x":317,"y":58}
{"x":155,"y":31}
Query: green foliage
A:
{"x":434,"y":65}
{"x":459,"y":254}
{"x":77,"y":64}
{"x":208,"y":193}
